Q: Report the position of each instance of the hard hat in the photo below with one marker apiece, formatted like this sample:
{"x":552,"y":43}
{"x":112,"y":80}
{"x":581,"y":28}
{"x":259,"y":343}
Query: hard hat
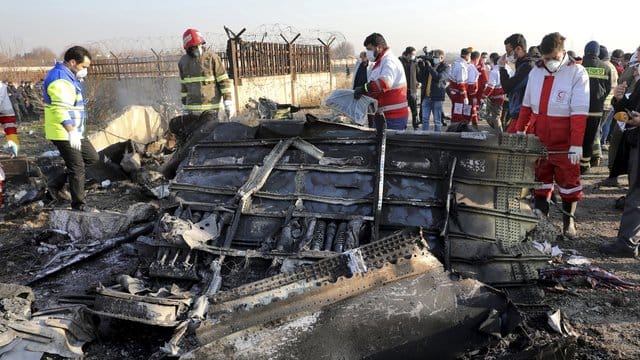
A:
{"x":192,"y":37}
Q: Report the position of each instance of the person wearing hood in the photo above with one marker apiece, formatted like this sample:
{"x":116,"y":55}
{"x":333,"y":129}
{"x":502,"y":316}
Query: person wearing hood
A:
{"x":555,"y":108}
{"x":600,"y":87}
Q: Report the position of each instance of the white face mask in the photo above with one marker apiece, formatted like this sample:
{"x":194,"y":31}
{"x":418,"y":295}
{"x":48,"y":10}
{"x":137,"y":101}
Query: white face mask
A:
{"x":371,"y":55}
{"x":413,"y":57}
{"x":554,"y":65}
{"x":511,"y":58}
{"x":82,"y":73}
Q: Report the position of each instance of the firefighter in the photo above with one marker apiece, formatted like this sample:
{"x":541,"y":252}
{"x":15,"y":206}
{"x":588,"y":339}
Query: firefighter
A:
{"x":555,"y":108}
{"x":600,"y":86}
{"x":8,"y":121}
{"x":387,"y":83}
{"x":458,"y":86}
{"x":204,"y":85}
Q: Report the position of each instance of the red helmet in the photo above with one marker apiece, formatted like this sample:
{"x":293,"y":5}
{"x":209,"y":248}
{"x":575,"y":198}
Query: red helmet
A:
{"x":192,"y":37}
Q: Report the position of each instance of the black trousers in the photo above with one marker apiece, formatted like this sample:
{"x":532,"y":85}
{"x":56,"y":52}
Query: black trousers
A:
{"x":76,"y":162}
{"x":412,"y":99}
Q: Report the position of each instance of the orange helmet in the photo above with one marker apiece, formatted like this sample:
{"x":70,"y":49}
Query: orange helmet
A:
{"x":192,"y":37}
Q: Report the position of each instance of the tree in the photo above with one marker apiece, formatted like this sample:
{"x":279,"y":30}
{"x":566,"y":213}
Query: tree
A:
{"x":38,"y":56}
{"x":343,"y":50}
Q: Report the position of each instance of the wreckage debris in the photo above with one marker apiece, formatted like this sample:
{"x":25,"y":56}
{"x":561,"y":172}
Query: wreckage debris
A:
{"x":592,"y":274}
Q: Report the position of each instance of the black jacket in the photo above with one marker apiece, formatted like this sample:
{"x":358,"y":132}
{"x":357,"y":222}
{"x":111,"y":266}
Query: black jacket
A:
{"x":631,"y":136}
{"x":599,"y":82}
{"x":515,"y":86}
{"x":439,"y":77}
{"x":411,"y":72}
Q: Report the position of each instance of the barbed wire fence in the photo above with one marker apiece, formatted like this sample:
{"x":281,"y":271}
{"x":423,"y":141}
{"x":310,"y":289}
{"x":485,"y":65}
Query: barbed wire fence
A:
{"x":153,"y":80}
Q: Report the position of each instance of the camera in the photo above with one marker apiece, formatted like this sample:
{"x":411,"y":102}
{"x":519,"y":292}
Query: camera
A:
{"x":427,"y":56}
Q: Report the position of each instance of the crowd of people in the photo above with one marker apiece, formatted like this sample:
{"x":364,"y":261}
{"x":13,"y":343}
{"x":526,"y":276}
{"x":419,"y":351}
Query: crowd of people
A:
{"x":568,"y":102}
{"x":25,"y":98}
{"x":572,"y":104}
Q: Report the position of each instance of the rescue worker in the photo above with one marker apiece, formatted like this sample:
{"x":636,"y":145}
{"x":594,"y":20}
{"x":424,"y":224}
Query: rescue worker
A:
{"x":483,"y":78}
{"x":555,"y":108}
{"x":408,"y":60}
{"x":65,"y":117}
{"x":387,"y":83}
{"x":205,"y":84}
{"x":457,"y":89}
{"x":8,"y":121}
{"x":471,"y":110}
{"x":600,"y":86}
{"x":494,"y":96}
{"x":514,"y":84}
{"x":628,"y":239}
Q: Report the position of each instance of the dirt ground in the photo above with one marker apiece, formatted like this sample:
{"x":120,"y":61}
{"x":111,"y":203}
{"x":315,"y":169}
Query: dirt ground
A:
{"x":607,"y":321}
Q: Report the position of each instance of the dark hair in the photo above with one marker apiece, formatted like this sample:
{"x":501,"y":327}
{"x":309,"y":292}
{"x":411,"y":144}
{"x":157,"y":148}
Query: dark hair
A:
{"x":516,"y":40}
{"x":484,"y":53}
{"x":438,"y":52}
{"x":464,"y":52}
{"x":494,"y":57}
{"x":408,"y":50}
{"x":627,"y":56}
{"x":76,"y":53}
{"x":375,"y":39}
{"x":475,"y":55}
{"x":551,"y":42}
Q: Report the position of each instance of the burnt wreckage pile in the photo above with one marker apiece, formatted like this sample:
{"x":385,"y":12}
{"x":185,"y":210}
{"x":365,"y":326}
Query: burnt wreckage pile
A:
{"x":294,"y":234}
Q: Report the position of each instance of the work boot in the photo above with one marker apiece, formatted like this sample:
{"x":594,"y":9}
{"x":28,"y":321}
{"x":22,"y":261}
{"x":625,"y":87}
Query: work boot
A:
{"x":568,"y":219}
{"x":541,"y":204}
{"x":610,"y":182}
{"x":619,"y":249}
{"x":595,"y":162}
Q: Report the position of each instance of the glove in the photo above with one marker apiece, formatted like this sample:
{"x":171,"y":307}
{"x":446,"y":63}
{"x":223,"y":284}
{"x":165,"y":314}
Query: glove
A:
{"x":465,"y":101}
{"x":75,"y":139}
{"x":520,"y":133}
{"x":575,"y":154}
{"x":228,"y":108}
{"x":358,"y":92}
{"x":12,"y":147}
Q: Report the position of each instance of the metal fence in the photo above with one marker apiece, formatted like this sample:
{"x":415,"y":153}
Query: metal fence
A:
{"x":242,"y":60}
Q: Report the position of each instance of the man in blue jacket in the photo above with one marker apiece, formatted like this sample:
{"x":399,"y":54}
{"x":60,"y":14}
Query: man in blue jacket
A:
{"x":434,"y":79}
{"x":64,"y":119}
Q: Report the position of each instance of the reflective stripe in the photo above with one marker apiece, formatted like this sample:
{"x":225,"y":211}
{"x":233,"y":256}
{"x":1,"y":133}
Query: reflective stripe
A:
{"x":222,"y":77}
{"x":201,"y":107}
{"x":394,"y":106}
{"x":545,"y":186}
{"x":225,"y":91}
{"x":569,"y":191}
{"x":183,"y":94}
{"x":596,"y":73}
{"x":595,"y":114}
{"x":195,"y":79}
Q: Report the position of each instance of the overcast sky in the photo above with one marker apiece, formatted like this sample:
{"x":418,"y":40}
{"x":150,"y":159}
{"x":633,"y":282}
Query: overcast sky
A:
{"x":446,"y":24}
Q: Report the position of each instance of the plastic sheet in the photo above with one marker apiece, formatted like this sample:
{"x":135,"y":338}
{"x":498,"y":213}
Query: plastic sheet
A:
{"x":343,"y":102}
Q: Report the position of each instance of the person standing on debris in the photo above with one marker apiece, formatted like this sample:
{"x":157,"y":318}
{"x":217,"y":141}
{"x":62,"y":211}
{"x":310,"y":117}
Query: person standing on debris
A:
{"x":408,"y":60}
{"x":204,"y":78}
{"x":434,"y":83}
{"x":65,"y":119}
{"x":628,"y":103}
{"x":387,"y":84}
{"x":457,"y":89}
{"x":555,"y":108}
{"x":493,"y":95}
{"x":600,"y":86}
{"x":514,"y":84}
{"x":361,"y":71}
{"x":8,"y":121}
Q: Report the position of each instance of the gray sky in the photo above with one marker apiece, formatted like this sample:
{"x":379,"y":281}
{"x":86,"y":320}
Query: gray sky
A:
{"x":449,"y":25}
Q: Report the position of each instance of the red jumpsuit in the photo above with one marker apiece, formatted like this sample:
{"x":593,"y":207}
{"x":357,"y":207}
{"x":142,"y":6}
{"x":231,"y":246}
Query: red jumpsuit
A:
{"x":471,"y":110}
{"x":555,"y":108}
{"x":8,"y":122}
{"x":457,"y":89}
